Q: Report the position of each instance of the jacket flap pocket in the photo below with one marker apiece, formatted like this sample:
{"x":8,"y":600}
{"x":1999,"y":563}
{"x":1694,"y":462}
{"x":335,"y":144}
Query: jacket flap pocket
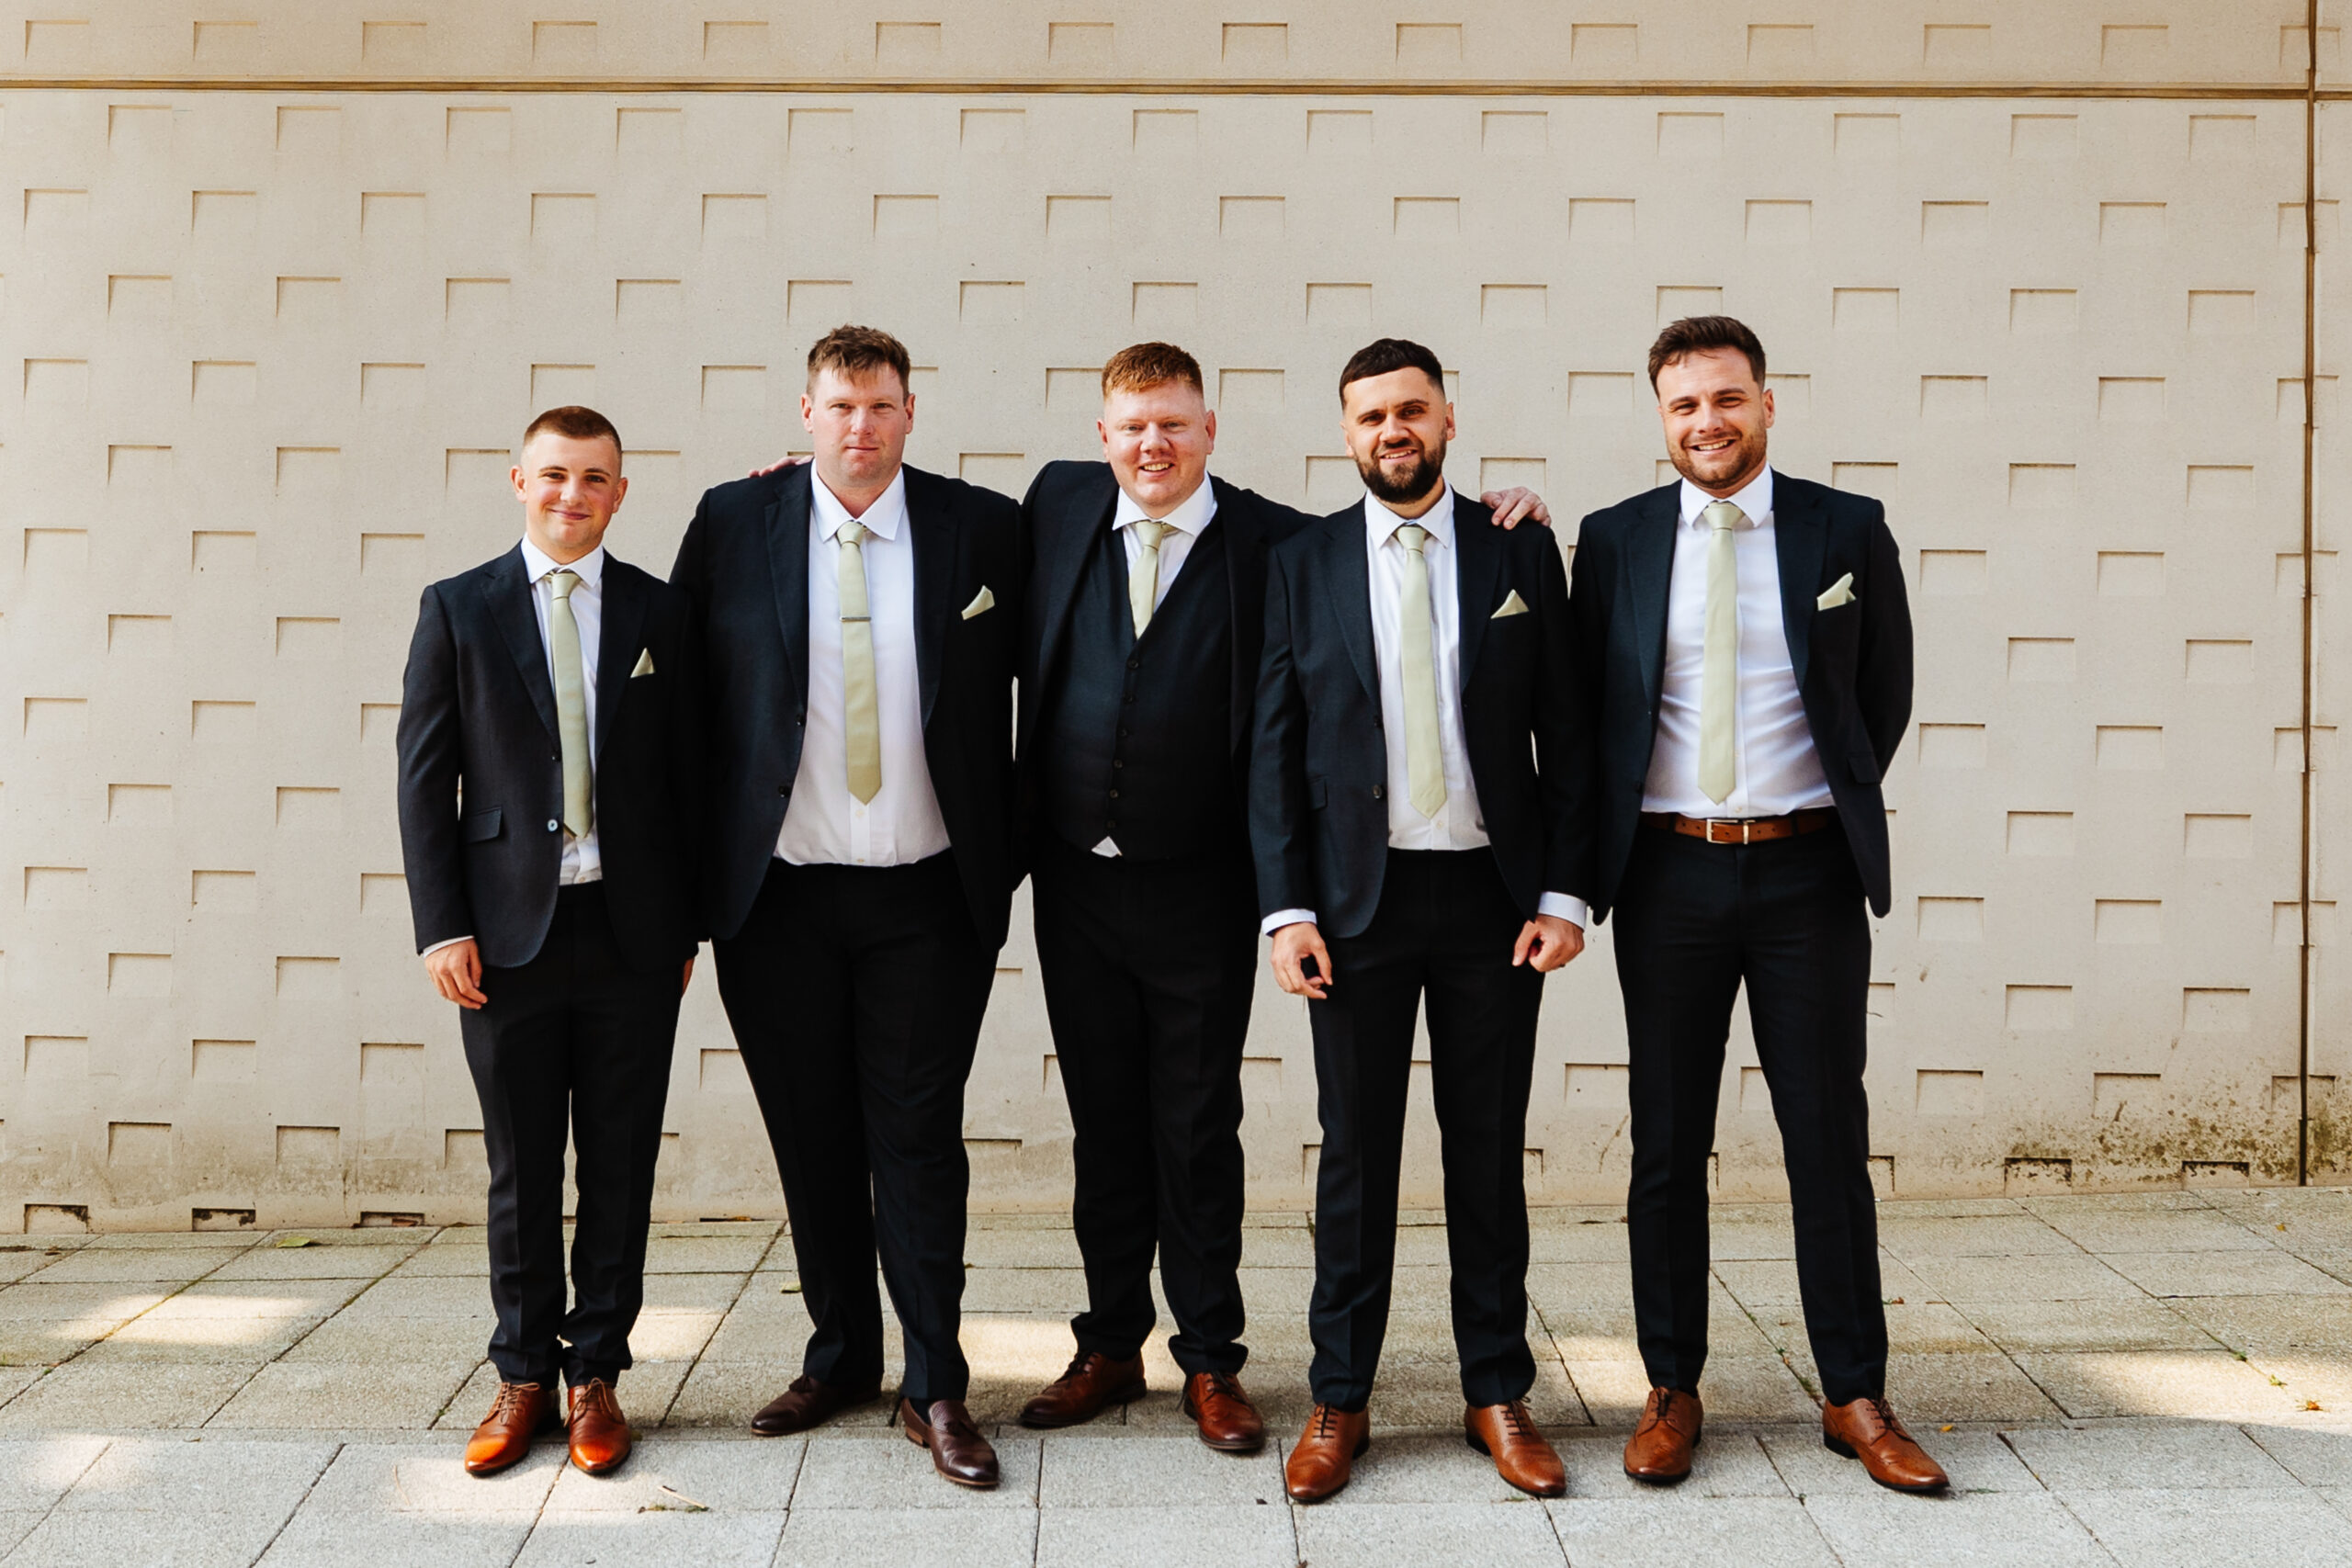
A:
{"x":1865,"y":767}
{"x":1318,"y":793}
{"x":481,"y":825}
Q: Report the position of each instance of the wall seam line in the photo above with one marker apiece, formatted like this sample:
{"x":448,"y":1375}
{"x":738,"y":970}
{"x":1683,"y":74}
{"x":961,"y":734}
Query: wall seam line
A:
{"x":2311,"y":423}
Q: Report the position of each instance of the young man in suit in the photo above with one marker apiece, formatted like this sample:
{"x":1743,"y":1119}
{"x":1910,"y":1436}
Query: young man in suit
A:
{"x":1743,"y":654}
{"x":1145,"y":614}
{"x":550,"y":790}
{"x":1409,"y":799}
{"x":859,"y":619}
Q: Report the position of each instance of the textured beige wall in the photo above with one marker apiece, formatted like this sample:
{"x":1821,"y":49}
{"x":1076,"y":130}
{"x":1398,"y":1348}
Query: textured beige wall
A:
{"x":282,"y":281}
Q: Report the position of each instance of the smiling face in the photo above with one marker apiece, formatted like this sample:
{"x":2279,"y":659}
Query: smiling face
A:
{"x":1396,"y":426}
{"x":861,"y":421}
{"x":1158,"y":440}
{"x":1715,"y":417}
{"x":569,"y":488}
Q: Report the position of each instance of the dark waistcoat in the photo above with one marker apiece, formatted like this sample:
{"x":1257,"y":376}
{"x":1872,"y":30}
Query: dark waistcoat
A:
{"x":1137,"y":739}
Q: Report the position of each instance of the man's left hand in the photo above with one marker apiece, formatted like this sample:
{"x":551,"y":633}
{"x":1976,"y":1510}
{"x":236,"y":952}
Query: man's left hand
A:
{"x":1550,"y":941}
{"x":1516,"y":504}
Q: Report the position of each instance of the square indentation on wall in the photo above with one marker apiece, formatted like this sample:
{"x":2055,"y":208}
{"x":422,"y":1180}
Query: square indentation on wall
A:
{"x":2130,"y":748}
{"x":826,"y":132}
{"x":1601,"y":220}
{"x":1676,"y":300}
{"x":310,"y":809}
{"x":2129,"y":922}
{"x":905,"y":217}
{"x":383,"y":893}
{"x":224,"y":723}
{"x":1253,"y":220}
{"x":721,"y":1071}
{"x":1951,"y":919}
{"x":52,"y":553}
{"x":2042,"y":138}
{"x":2219,"y":661}
{"x":2042,"y":312}
{"x":2220,"y":487}
{"x":558,"y":386}
{"x":1167,"y":309}
{"x":2040,"y":658}
{"x":57,"y":1056}
{"x":1792,"y":396}
{"x":310,"y":301}
{"x":990,"y":304}
{"x":143,"y":299}
{"x":2043,"y":835}
{"x":1514,"y":133}
{"x":1600,"y":394}
{"x":2117,"y":1095}
{"x":1255,"y":46}
{"x":1249,"y":394}
{"x":2221,"y":138}
{"x":51,"y":721}
{"x":137,"y":130}
{"x":1951,"y":745}
{"x":1331,"y":483}
{"x":138,"y":468}
{"x":1075,"y":391}
{"x":653,"y":301}
{"x":1597,"y":1087}
{"x":734,"y":388}
{"x":2131,"y":574}
{"x":136,"y":1145}
{"x":2134,"y":47}
{"x":395,"y":217}
{"x":648,"y":132}
{"x":1945,"y":225}
{"x":2221,"y":313}
{"x":1755,"y":1094}
{"x":1604,"y":46}
{"x":221,"y":1061}
{"x":1005,"y":472}
{"x":1868,"y":137}
{"x":1080,"y":220}
{"x":1865,"y":310}
{"x":2132,"y":400}
{"x":1951,"y":573}
{"x":815,"y":304}
{"x":1779,"y":46}
{"x":138,"y":974}
{"x":223,"y":383}
{"x":462,"y":1149}
{"x":2038,"y":1008}
{"x":1950,"y":1092}
{"x":906,"y":43}
{"x":311,"y":131}
{"x":1961,"y":47}
{"x":1428,"y":46}
{"x":478,"y":130}
{"x":563,"y":46}
{"x":1427,"y":218}
{"x":312,"y":472}
{"x":2287,"y":923}
{"x":993,"y":131}
{"x":392,"y":386}
{"x":2217,"y":836}
{"x":733,"y":217}
{"x":391,"y":45}
{"x":1177,"y":132}
{"x":1780,"y":223}
{"x":1080,"y":46}
{"x":1503,"y":473}
{"x":1689,"y":136}
{"x":2131,"y":223}
{"x":310,"y":980}
{"x":138,"y":805}
{"x":1878,"y":480}
{"x":1947,"y":397}
{"x":736,"y":46}
{"x":563,"y":218}
{"x":312,"y":1147}
{"x":2042,"y":487}
{"x":2216,"y":1009}
{"x":224,"y":892}
{"x":1339,"y":307}
{"x":217,"y":216}
{"x":65,"y":41}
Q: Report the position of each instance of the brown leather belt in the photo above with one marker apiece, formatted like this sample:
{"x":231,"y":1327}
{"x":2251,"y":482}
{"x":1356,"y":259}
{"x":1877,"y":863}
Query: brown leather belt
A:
{"x":1742,"y":830}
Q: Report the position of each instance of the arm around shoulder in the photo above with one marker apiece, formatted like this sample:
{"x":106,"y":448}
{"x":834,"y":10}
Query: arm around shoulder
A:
{"x":1882,"y":673}
{"x":431,"y":744}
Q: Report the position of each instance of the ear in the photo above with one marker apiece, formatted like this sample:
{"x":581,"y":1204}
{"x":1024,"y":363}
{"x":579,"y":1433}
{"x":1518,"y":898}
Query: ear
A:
{"x":1768,"y":407}
{"x":1208,"y":428}
{"x":514,"y":478}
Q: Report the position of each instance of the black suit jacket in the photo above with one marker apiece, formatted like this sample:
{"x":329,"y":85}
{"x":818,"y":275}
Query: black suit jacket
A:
{"x":744,"y":564}
{"x":1852,"y":663}
{"x":1067,"y":507}
{"x":1318,"y":811}
{"x":478,"y":715}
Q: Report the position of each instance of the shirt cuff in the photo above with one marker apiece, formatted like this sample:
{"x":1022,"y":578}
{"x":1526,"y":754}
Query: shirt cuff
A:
{"x":1282,"y":918}
{"x":439,"y":945}
{"x":1566,"y":907}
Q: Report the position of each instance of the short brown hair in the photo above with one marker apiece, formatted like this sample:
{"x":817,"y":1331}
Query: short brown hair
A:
{"x":580,"y":423}
{"x":1385,"y":357}
{"x":860,"y":351}
{"x":1140,"y":366}
{"x":1695,"y":334}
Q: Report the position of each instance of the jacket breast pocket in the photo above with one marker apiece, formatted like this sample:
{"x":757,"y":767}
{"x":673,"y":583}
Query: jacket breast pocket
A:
{"x":481,"y":827}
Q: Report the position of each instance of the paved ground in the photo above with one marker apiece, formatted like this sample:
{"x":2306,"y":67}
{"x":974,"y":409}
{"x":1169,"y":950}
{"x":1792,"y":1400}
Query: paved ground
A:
{"x":2161,"y":1379}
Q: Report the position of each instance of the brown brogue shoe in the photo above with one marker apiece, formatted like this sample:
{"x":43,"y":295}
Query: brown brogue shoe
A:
{"x":1867,"y":1429}
{"x":520,"y":1411}
{"x":806,"y":1404}
{"x":957,"y":1449}
{"x":1327,"y":1453}
{"x":1522,"y":1455}
{"x":1229,"y":1422}
{"x":599,"y":1432}
{"x":1659,"y":1450}
{"x":1092,"y":1385}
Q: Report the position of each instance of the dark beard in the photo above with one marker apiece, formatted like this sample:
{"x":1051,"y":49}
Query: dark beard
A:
{"x":1426,"y":476}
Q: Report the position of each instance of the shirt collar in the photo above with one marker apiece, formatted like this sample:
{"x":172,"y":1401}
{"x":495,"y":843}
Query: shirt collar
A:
{"x":885,"y":518}
{"x":589,"y":569}
{"x":1754,"y":499}
{"x":1438,"y":519}
{"x":1190,"y":517}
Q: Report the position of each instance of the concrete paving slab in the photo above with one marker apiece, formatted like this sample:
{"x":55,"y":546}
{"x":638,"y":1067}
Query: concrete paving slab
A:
{"x":273,"y":1262}
{"x":454,"y":1262}
{"x":2314,"y":1457}
{"x":1001,"y":1249}
{"x":2215,"y":1529}
{"x":1965,"y":1530}
{"x":14,"y":1381}
{"x":37,"y":1301}
{"x":2138,"y":1323}
{"x":214,"y":1341}
{"x":1933,"y":1390}
{"x":1593,"y":1242}
{"x":1976,"y":1461}
{"x":1141,"y":1471}
{"x":123,"y":1398}
{"x":704,"y":1254}
{"x":396,"y":1540}
{"x":190,"y":1539}
{"x":1205,"y":1534}
{"x":2257,"y":1324}
{"x":979,"y":1538}
{"x":752,"y":1477}
{"x":2336,"y":1497}
{"x":1493,"y":1535}
{"x":2269,"y":1273}
{"x":2189,"y":1384}
{"x":15,"y":1263}
{"x":662,"y":1539}
{"x":1613,"y":1388}
{"x":322,"y":1396}
{"x":15,"y":1525}
{"x":360,"y":1342}
{"x":35,"y":1471}
{"x":2072,"y":1275}
{"x":112,"y":1265}
{"x":1580,"y":1286}
{"x":897,"y":1475}
{"x":401,"y":1295}
{"x":192,"y":1473}
{"x":256,"y":1299}
{"x":2104,"y":1228}
{"x":373,"y":1478}
{"x":1728,"y":1462}
{"x":2122,"y":1458}
{"x":1025,"y":1290}
{"x":727,"y":1394}
{"x":1623,"y":1532}
{"x":1916,"y":1240}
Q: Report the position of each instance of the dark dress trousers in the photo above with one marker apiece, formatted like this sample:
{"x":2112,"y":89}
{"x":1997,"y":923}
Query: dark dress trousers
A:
{"x":1696,"y":920}
{"x":582,"y":981}
{"x":1147,"y":958}
{"x":857,"y":992}
{"x":1406,"y":925}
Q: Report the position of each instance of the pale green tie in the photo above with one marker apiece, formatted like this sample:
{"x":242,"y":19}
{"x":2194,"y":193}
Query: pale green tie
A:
{"x":1719,"y":675}
{"x":862,"y":723}
{"x":1424,"y":764}
{"x":571,"y":708}
{"x":1143,"y":577}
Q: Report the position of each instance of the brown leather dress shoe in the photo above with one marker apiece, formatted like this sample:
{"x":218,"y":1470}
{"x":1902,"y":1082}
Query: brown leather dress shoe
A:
{"x":1229,"y":1422}
{"x":1659,"y":1450}
{"x":1868,"y":1431}
{"x":957,"y":1449}
{"x":1522,"y":1455}
{"x":806,"y":1404}
{"x":520,"y":1413}
{"x":600,"y":1436}
{"x":1092,"y":1385}
{"x":1327,"y":1453}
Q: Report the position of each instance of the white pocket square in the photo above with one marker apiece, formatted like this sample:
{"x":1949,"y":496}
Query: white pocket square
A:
{"x":1838,"y":593}
{"x":1514,"y":605}
{"x":982,"y":603}
{"x":644,"y":665}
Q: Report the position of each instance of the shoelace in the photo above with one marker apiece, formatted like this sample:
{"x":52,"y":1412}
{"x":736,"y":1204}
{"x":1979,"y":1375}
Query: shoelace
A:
{"x":1224,"y":1383}
{"x":1515,"y":1419}
{"x":1077,"y":1367}
{"x":1886,"y":1414}
{"x":1326,"y":1418}
{"x":1664,"y":1405}
{"x":510,"y":1393}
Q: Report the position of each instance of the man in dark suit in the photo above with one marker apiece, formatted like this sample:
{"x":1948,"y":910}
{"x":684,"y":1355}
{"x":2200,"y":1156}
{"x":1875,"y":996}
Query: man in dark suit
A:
{"x":859,"y":619}
{"x":1145,"y":614}
{"x":1743,"y":657}
{"x":549,"y":751}
{"x":1409,"y":809}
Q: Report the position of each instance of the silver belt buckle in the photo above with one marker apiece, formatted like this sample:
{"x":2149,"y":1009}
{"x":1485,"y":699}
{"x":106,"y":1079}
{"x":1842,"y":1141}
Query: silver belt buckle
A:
{"x":1739,"y":822}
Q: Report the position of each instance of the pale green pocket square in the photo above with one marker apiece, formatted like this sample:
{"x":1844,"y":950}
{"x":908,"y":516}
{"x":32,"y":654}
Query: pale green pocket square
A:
{"x":1838,"y":593}
{"x":644,"y":665}
{"x":1514,"y":605}
{"x":982,"y":603}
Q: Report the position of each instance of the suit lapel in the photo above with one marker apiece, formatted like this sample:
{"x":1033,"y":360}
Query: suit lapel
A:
{"x":1245,"y":591}
{"x":1065,"y":562}
{"x":1477,"y":561}
{"x":617,"y":645}
{"x":935,"y":539}
{"x":1801,"y":541}
{"x":1349,"y":583}
{"x":508,"y":595}
{"x":1649,"y":572}
{"x":787,"y":536}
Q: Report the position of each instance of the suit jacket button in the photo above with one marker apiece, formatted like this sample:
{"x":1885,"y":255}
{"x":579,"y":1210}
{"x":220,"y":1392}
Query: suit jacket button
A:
{"x":1114,"y":794}
{"x":784,"y":789}
{"x":1135,"y":663}
{"x":553,"y":824}
{"x":1375,"y":792}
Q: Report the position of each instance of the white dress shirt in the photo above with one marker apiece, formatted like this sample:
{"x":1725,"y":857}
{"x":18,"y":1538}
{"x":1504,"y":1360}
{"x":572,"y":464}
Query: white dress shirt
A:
{"x":1459,"y":824}
{"x":1775,"y":769}
{"x":826,"y":825}
{"x":1185,"y":523}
